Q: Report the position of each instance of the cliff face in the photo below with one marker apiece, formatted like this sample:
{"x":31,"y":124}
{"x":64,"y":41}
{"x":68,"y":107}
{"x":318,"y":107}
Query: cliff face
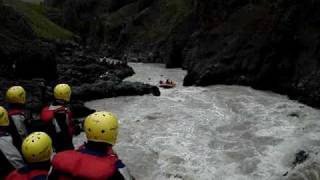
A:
{"x":138,"y":30}
{"x":272,"y":45}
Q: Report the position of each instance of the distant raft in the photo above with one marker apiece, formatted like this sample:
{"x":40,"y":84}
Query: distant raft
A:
{"x":167,"y":84}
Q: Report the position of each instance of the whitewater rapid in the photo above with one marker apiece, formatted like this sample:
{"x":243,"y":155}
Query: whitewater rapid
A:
{"x":209,"y":133}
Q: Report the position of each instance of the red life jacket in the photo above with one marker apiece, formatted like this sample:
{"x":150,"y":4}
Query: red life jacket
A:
{"x":12,"y":112}
{"x":47,"y":115}
{"x":78,"y":165}
{"x":16,"y":175}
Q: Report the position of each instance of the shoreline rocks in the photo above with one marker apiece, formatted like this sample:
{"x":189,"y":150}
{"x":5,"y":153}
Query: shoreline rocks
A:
{"x":90,"y":77}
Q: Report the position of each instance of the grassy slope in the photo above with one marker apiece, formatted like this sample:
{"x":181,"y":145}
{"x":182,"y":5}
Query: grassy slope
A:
{"x":41,"y":25}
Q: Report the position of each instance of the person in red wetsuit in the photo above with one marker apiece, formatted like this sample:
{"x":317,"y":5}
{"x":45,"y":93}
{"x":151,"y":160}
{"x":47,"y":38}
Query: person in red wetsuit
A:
{"x":20,"y":117}
{"x":95,"y":160}
{"x":36,"y":150}
{"x":58,"y":118}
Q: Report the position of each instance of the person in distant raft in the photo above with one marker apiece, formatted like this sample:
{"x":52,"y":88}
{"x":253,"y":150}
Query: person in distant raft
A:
{"x":19,"y":116}
{"x":10,"y":157}
{"x":36,"y":150}
{"x":58,"y":118}
{"x":95,"y":159}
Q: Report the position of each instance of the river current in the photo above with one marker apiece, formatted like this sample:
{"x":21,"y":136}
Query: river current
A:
{"x":210,"y":133}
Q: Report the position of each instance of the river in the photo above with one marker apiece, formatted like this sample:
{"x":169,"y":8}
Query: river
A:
{"x":209,"y":133}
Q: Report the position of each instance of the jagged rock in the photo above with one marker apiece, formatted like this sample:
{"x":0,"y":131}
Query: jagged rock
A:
{"x":135,"y":88}
{"x":301,"y":156}
{"x":306,"y":166}
{"x":80,"y":110}
{"x":104,"y":89}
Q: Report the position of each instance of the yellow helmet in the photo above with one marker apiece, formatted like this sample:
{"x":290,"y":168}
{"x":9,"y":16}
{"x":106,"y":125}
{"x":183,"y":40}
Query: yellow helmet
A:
{"x":37,"y":147}
{"x":101,"y":127}
{"x":62,"y":92}
{"x":16,"y":94}
{"x":4,"y":119}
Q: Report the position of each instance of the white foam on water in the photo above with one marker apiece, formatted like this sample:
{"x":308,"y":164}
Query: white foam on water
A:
{"x":209,"y":133}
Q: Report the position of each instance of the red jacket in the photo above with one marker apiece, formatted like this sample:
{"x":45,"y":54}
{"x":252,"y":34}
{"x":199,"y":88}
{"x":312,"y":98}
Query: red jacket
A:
{"x":83,"y":165}
{"x":27,"y":175}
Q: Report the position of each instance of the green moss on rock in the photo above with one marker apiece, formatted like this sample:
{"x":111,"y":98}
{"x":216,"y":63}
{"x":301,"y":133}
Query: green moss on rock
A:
{"x":41,"y":25}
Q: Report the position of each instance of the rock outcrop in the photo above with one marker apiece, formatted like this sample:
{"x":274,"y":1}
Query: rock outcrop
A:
{"x":267,"y":45}
{"x":94,"y":77}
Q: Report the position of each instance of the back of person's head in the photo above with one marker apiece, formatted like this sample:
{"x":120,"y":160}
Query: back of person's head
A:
{"x":37,"y":147}
{"x":16,"y":95}
{"x":4,"y":119}
{"x":101,"y":127}
{"x":62,"y":92}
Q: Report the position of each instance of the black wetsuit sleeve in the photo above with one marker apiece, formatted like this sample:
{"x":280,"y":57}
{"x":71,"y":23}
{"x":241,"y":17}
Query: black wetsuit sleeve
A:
{"x":63,"y":140}
{"x":16,"y":139}
{"x":31,"y":123}
{"x":5,"y":167}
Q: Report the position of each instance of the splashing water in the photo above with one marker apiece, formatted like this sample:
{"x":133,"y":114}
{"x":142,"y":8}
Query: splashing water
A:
{"x":210,"y":133}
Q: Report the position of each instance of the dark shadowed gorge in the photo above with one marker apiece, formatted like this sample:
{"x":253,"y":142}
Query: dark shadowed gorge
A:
{"x":191,"y":131}
{"x":271,"y":45}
